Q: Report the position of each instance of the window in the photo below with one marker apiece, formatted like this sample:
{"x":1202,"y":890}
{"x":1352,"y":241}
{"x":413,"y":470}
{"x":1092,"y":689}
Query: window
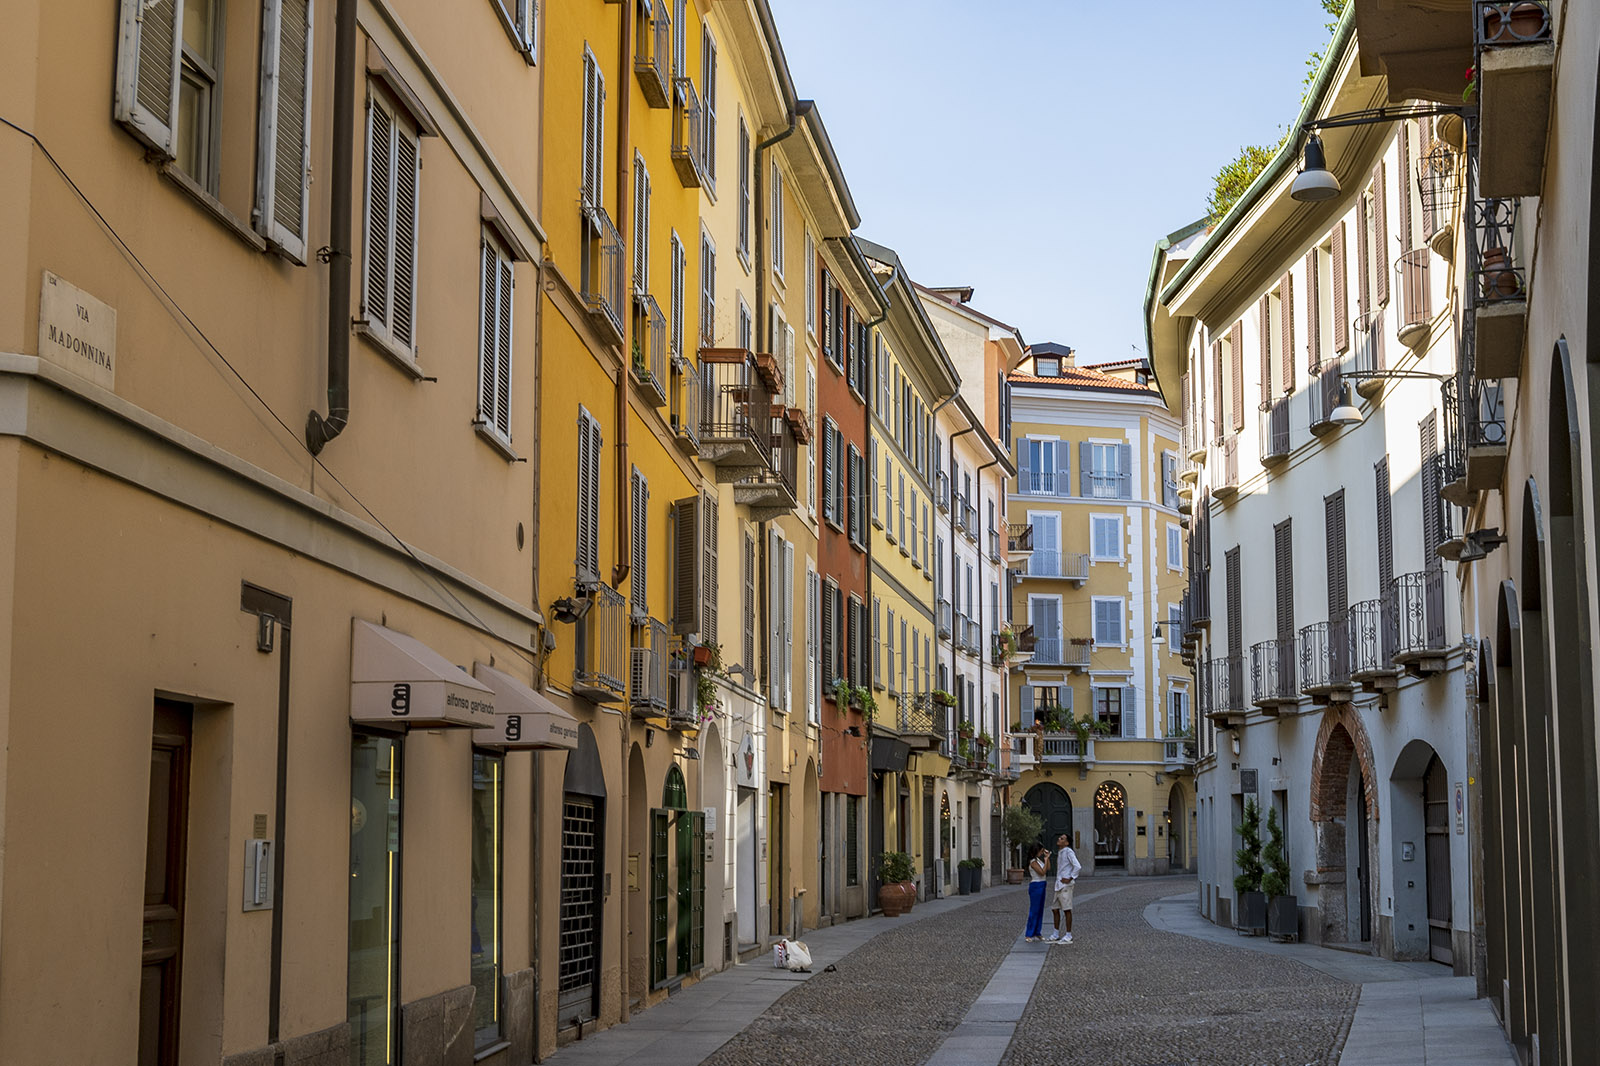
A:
{"x":389,"y":240}
{"x":708,"y":289}
{"x":675,"y":323}
{"x":495,"y":284}
{"x":638,"y":572}
{"x":708,"y":92}
{"x":1042,"y":467}
{"x":521,"y":20}
{"x":283,"y":167}
{"x":641,"y":226}
{"x":744,"y":191}
{"x":777,"y":221}
{"x":1108,"y":707}
{"x":1108,"y":615}
{"x":1106,"y":537}
{"x":872,"y":477}
{"x":829,"y":458}
{"x":588,"y":545}
{"x":376,"y":865}
{"x":680,"y":39}
{"x":1169,"y":480}
{"x":811,"y":284}
{"x":1174,"y":548}
{"x":858,"y":522}
{"x":199,"y":92}
{"x":1107,"y":470}
{"x":1177,"y":712}
{"x":488,"y":828}
{"x":1047,"y":368}
{"x":746,"y":325}
{"x":877,"y":638}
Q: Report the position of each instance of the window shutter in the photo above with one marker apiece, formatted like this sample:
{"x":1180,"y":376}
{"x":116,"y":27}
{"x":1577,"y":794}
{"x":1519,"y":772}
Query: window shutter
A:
{"x":828,"y":673}
{"x":1130,"y":711}
{"x":590,"y":132}
{"x":1025,"y":695}
{"x":1363,"y":257}
{"x":1286,"y":322}
{"x":283,"y":162}
{"x":1338,"y":602}
{"x":687,"y":555}
{"x":838,"y":631}
{"x":776,"y":579}
{"x":1431,"y":533}
{"x":708,"y":572}
{"x":1061,"y":453}
{"x":1341,"y":292}
{"x":1235,"y":618}
{"x":1407,"y":242}
{"x":1313,"y":312}
{"x":1085,"y":463}
{"x":1217,"y":417}
{"x":1125,"y":471}
{"x":708,"y":295}
{"x":1264,"y":310}
{"x":789,"y":385}
{"x":380,"y":212}
{"x":638,"y":574}
{"x":1186,"y":391}
{"x":407,"y":174}
{"x":853,"y":643}
{"x":827,"y":471}
{"x":786,"y":624}
{"x":1380,"y":229}
{"x":1385,"y":527}
{"x":827,"y":314}
{"x":853,"y":497}
{"x":597,"y":170}
{"x":813,"y":622}
{"x":641,"y":226}
{"x":1283,"y":550}
{"x":848,"y":347}
{"x":149,"y":44}
{"x":1236,"y":397}
{"x":488,"y":319}
{"x":748,"y":605}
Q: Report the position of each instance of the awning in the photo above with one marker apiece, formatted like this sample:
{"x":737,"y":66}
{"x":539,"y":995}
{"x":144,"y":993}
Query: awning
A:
{"x":523,"y":718}
{"x":888,"y":754}
{"x":399,"y":682}
{"x":930,"y":764}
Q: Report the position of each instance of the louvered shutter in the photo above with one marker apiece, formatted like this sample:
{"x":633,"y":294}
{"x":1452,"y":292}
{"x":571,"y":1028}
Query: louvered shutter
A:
{"x":789,"y":385}
{"x":1025,"y":699}
{"x":1236,"y":364}
{"x":1338,"y":601}
{"x":1380,"y":230}
{"x":1407,"y":241}
{"x":641,"y":228}
{"x":813,"y":621}
{"x":838,"y":324}
{"x":591,"y":134}
{"x":639,"y":577}
{"x":1431,"y":533}
{"x":377,"y":239}
{"x":1125,"y":471}
{"x":1217,"y":417}
{"x":149,"y":46}
{"x":708,"y":295}
{"x":687,"y":557}
{"x":1283,"y":553}
{"x":848,"y":356}
{"x":1341,"y":292}
{"x":838,"y":630}
{"x":827,"y":315}
{"x":872,"y":474}
{"x":1060,"y":454}
{"x":1085,"y":463}
{"x":1385,"y":526}
{"x":1363,"y":257}
{"x":747,"y":570}
{"x":827,"y":471}
{"x":853,"y":498}
{"x":708,"y":572}
{"x":1313,"y":312}
{"x":598,"y":167}
{"x":1235,"y":616}
{"x":1264,"y":310}
{"x":1186,"y":390}
{"x":786,"y":625}
{"x":403,"y":291}
{"x":488,"y":319}
{"x":828,"y":673}
{"x":1286,"y":340}
{"x":853,"y":643}
{"x":503,"y":350}
{"x":675,"y":301}
{"x":283,"y":161}
{"x":1130,"y":711}
{"x":589,"y":444}
{"x":1425,"y":145}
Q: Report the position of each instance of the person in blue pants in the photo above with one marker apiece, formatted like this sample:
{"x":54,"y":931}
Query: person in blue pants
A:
{"x":1038,"y":870}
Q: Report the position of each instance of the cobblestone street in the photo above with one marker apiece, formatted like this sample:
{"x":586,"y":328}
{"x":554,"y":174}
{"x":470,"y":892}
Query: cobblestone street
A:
{"x":1145,"y":983}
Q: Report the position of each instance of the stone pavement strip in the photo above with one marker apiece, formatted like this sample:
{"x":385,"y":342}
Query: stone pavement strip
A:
{"x":1148,"y":982}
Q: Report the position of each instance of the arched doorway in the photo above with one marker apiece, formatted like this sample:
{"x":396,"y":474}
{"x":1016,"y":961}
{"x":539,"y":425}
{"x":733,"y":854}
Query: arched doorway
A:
{"x":1110,"y":822}
{"x":1343,"y":809}
{"x":1052,"y":804}
{"x":1419,"y":821}
{"x":1177,"y":840}
{"x":583,"y":870}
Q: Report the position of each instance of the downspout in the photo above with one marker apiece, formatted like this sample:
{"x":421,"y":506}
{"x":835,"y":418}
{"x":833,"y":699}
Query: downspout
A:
{"x":320,"y":430}
{"x":624,"y":563}
{"x":982,"y":661}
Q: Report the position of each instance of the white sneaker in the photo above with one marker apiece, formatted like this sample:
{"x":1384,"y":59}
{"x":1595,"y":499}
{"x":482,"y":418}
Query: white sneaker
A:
{"x":1053,"y":937}
{"x":1067,"y":939}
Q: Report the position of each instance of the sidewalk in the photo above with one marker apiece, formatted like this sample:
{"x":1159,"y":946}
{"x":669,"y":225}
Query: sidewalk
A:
{"x":1410,"y":1013}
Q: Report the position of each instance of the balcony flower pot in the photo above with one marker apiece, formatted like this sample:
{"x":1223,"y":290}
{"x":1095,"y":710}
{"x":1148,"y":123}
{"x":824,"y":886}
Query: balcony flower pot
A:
{"x":702,"y":655}
{"x":1527,"y":23}
{"x":898,"y":893}
{"x":1498,"y":279}
{"x":1014,"y":875}
{"x":1283,"y":918}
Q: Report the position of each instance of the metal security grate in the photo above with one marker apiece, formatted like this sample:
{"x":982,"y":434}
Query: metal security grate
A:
{"x":579,"y":870}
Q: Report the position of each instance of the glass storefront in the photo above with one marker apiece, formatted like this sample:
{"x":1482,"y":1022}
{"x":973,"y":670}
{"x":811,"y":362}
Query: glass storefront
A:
{"x":488,"y":774}
{"x":375,"y":763}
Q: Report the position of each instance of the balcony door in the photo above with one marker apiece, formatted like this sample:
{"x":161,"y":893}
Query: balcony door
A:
{"x":1046,"y":558}
{"x":1044,"y":613}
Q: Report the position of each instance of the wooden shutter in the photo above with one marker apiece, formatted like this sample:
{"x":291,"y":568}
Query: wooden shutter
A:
{"x":1125,"y":471}
{"x":675,"y":301}
{"x":748,"y":606}
{"x":1313,"y":311}
{"x":638,"y":576}
{"x":1338,"y":599}
{"x":494,"y":366}
{"x":848,"y":356}
{"x":1407,"y":240}
{"x":1431,"y":532}
{"x":1025,"y":695}
{"x":858,"y":525}
{"x":1186,"y":390}
{"x":591,"y":133}
{"x":785,"y":626}
{"x":1235,"y":618}
{"x":641,"y":226}
{"x":827,"y":314}
{"x":1236,"y":343}
{"x":1425,"y":145}
{"x":1217,"y":416}
{"x":837,"y":318}
{"x":688,"y":555}
{"x":589,"y":445}
{"x":708,"y":299}
{"x":1264,"y":310}
{"x":149,"y":46}
{"x":828,"y":671}
{"x":1286,"y":337}
{"x":375,"y":260}
{"x":852,"y":656}
{"x":1385,"y":527}
{"x":598,"y":167}
{"x":708,"y":571}
{"x":1363,"y":257}
{"x":1130,"y":711}
{"x":1283,"y":554}
{"x":1085,"y":462}
{"x":283,"y":160}
{"x":1380,"y":230}
{"x":1341,"y":292}
{"x":835,"y":667}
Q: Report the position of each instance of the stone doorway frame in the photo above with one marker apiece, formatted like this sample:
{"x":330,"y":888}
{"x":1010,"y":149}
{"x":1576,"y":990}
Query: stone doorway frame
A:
{"x":1341,"y":741}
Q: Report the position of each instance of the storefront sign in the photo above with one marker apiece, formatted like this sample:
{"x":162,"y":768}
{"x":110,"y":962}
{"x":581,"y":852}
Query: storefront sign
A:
{"x":77,"y":331}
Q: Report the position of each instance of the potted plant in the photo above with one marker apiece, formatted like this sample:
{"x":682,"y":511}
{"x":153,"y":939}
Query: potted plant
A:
{"x":963,"y":749}
{"x":1283,"y":914}
{"x":708,"y":657}
{"x":976,"y":873}
{"x":1528,"y":22}
{"x":1021,"y":829}
{"x":868,"y":703}
{"x":964,"y":728}
{"x":898,"y":892}
{"x":969,"y":876}
{"x":1252,"y":917}
{"x":1496,"y":274}
{"x":984,"y":741}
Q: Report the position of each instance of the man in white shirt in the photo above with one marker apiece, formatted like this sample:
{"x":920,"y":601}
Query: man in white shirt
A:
{"x":1067,"y":870}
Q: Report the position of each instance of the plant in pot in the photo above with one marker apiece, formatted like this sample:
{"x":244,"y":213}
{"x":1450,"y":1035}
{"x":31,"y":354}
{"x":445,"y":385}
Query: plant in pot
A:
{"x":1283,"y":914}
{"x":969,"y":876}
{"x":868,"y":702}
{"x":943,"y":698}
{"x":1252,"y":902}
{"x":1497,"y":275}
{"x":1021,"y":829}
{"x":897,"y":893}
{"x":964,"y":728}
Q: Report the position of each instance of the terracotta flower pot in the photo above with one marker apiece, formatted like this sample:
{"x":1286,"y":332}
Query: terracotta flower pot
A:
{"x":1528,"y":23}
{"x":1498,"y":279}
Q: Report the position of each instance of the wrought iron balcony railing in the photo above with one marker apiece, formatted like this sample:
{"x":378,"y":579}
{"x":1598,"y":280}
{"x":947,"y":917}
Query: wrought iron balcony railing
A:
{"x":1059,"y":652}
{"x":773,"y":490}
{"x":1324,"y":391}
{"x":603,"y":266}
{"x":1439,"y":184}
{"x":941,"y":492}
{"x":686,"y":405}
{"x":602,"y":669}
{"x":1419,"y":615}
{"x":650,"y":349}
{"x":688,"y":134}
{"x":942,"y":617}
{"x":1019,"y":538}
{"x":1073,"y":566}
{"x":1272,"y":676}
{"x":969,"y":519}
{"x":1368,"y":355}
{"x":648,"y":691}
{"x":652,"y":62}
{"x":1200,"y":598}
{"x":918,"y":713}
{"x":1044,"y":482}
{"x":1224,"y":687}
{"x":735,"y":410}
{"x":1515,"y":69}
{"x":1373,"y":639}
{"x":1226,"y":468}
{"x":1275,"y":432}
{"x":1325,"y":658}
{"x":994,"y":545}
{"x":1416,"y":297}
{"x":1177,"y":755}
{"x":1108,"y":485}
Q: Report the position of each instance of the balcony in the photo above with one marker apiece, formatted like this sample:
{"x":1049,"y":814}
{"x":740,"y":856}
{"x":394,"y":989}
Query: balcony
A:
{"x":1324,"y":390}
{"x":735,"y":414}
{"x":941,"y":492}
{"x":1499,"y":289}
{"x":1325,"y":661}
{"x":652,"y":62}
{"x":994,"y":545}
{"x":1056,"y":652}
{"x":974,"y":641}
{"x":959,"y":505}
{"x":1475,"y":451}
{"x":1416,"y":298}
{"x":1070,"y":566}
{"x":1200,"y":598}
{"x":969,"y":520}
{"x":685,"y":408}
{"x":1019,"y":539}
{"x":1272,"y":675}
{"x":1516,"y":66}
{"x":1224,"y":689}
{"x":1032,"y":749}
{"x":602,"y":269}
{"x":1439,"y":183}
{"x":919,"y":721}
{"x":942,"y":616}
{"x":1107,"y":485}
{"x":1373,"y":639}
{"x":688,"y":134}
{"x":1177,"y":756}
{"x":1044,"y":482}
{"x":1226,"y":468}
{"x":1368,"y":356}
{"x":648,"y":691}
{"x":1275,"y":446}
{"x":1421,"y":45}
{"x":649,"y":367}
{"x":771,"y":373}
{"x":773,"y":492}
{"x":601,"y":645}
{"x":1419,"y":621}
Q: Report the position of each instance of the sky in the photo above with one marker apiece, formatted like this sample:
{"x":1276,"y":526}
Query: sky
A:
{"x":1038,"y":149}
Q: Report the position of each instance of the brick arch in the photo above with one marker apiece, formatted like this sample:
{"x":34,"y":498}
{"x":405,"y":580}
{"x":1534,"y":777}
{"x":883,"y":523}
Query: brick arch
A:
{"x":1341,"y":738}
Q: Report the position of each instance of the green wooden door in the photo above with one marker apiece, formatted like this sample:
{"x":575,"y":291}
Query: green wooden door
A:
{"x":659,"y":821}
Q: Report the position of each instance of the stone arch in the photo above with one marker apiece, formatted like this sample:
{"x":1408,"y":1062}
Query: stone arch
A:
{"x":1177,"y":828}
{"x":1344,"y":870}
{"x":1051,"y":803}
{"x":1327,"y":792}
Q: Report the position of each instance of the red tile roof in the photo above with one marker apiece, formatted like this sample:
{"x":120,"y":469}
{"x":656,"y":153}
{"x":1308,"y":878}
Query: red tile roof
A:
{"x":1080,"y":377}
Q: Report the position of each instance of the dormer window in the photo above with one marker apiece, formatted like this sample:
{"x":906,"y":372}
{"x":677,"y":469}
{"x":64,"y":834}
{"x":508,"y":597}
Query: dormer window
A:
{"x":1047,"y":367}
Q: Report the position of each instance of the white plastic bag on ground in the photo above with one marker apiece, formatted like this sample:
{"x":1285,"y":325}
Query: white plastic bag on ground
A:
{"x":799,"y":956}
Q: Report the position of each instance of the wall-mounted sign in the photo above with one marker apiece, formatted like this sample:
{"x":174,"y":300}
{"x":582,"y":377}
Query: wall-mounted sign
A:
{"x":1248,"y":781}
{"x":1461,"y":808}
{"x":77,"y":331}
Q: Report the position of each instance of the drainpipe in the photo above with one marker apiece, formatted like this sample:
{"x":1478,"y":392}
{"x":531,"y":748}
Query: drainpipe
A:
{"x":320,"y":430}
{"x":621,"y":568}
{"x":982,"y":663}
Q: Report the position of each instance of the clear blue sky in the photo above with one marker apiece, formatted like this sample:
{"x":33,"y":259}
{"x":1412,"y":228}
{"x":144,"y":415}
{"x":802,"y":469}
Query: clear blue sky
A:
{"x":1037,"y":149}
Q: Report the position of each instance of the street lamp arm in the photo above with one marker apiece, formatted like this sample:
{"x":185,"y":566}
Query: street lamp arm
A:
{"x":1379,"y":375}
{"x":1375,"y":115}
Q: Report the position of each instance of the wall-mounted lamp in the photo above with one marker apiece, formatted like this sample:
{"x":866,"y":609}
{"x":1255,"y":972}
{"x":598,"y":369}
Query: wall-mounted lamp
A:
{"x":1155,"y":636}
{"x":1316,"y":182}
{"x":1346,"y":413}
{"x":570,"y":609}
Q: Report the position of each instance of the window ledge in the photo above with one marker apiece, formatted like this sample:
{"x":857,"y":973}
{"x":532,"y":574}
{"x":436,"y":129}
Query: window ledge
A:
{"x":214,"y":207}
{"x":492,"y":1049}
{"x":497,"y":442}
{"x":402,"y":359}
{"x":744,"y":258}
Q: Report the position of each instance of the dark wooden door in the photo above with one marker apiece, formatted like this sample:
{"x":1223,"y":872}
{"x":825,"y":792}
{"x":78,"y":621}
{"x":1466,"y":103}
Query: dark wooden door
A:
{"x":1436,"y":816}
{"x":166,"y":855}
